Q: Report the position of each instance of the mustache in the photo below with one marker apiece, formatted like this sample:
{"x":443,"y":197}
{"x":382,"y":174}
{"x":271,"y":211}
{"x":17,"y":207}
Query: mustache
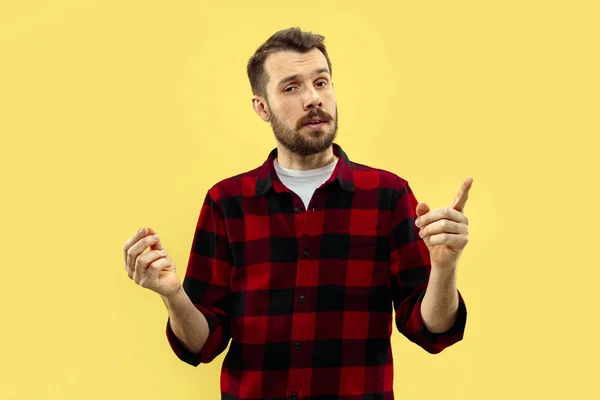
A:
{"x":314,"y":113}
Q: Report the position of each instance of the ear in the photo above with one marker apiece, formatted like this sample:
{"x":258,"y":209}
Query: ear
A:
{"x":261,"y":108}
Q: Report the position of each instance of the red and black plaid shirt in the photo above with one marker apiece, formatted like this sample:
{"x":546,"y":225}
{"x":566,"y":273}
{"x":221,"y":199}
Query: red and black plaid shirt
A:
{"x":306,"y":295}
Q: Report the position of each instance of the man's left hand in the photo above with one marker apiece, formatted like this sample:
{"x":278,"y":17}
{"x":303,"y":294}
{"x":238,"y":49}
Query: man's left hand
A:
{"x":445,"y":230}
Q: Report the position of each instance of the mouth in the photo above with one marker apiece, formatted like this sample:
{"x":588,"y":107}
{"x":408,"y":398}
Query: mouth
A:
{"x":316,"y":123}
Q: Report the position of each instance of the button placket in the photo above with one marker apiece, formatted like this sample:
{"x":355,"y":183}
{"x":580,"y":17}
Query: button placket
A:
{"x":302,"y":218}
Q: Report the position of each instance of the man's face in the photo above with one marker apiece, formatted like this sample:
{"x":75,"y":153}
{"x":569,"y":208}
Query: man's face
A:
{"x":301,"y":101}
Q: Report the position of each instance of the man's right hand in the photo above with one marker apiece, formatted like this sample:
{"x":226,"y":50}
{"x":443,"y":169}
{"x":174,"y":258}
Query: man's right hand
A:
{"x":153,"y":270}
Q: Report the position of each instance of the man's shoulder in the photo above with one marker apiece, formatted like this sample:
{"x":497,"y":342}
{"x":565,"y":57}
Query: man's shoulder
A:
{"x":367,"y":176}
{"x":243,"y":183}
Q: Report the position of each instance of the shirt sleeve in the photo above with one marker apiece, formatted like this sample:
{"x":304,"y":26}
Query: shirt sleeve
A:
{"x":206,"y":282}
{"x":410,"y":265}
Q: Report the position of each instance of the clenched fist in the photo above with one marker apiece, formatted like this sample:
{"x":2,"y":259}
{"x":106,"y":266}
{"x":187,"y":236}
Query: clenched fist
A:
{"x":153,"y":270}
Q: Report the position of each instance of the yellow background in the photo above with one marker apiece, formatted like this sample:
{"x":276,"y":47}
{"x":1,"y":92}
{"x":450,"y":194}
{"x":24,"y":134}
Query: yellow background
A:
{"x":121,"y":114}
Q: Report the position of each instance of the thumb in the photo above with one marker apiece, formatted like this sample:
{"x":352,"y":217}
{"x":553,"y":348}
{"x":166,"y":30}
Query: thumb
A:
{"x":422,"y":208}
{"x":157,"y":245}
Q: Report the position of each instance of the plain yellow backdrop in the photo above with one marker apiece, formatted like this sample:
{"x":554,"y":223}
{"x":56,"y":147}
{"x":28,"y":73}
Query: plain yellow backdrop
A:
{"x":120,"y":114}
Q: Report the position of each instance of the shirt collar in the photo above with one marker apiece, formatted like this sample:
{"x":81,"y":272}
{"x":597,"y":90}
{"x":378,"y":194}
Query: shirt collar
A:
{"x":343,"y":173}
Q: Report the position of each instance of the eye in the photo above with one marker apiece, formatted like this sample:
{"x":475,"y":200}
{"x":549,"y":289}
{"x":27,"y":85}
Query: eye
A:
{"x":324,"y":83}
{"x":288,"y":89}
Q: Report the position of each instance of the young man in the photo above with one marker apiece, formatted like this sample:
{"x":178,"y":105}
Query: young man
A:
{"x":301,"y":261}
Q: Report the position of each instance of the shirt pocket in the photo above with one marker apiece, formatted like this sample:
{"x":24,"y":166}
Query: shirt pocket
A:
{"x":363,"y":245}
{"x":357,"y":259}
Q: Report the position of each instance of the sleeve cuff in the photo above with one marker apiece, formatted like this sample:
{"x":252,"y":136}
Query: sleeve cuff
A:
{"x":436,"y":342}
{"x":183,"y":353}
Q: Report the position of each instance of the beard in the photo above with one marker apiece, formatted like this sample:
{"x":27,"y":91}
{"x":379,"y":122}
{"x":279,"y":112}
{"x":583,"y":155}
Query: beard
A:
{"x":312,"y":141}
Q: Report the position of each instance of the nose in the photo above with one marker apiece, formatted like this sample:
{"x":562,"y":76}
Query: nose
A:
{"x":313,"y":100}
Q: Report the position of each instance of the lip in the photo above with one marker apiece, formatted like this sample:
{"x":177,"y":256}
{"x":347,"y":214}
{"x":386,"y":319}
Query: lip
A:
{"x":315,"y":126}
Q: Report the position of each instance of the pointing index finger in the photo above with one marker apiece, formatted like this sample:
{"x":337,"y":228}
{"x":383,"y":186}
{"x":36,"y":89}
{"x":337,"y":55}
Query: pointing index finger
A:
{"x":463,"y":194}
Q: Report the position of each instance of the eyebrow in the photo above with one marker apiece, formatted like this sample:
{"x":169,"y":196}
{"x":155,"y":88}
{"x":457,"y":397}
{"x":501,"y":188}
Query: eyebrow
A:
{"x":294,"y":77}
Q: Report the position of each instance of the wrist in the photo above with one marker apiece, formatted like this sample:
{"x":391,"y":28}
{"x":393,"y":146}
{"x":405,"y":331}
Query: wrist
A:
{"x":173,"y":297}
{"x":443,"y":269}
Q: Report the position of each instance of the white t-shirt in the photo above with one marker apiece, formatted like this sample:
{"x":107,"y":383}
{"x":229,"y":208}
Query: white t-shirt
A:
{"x":304,"y":183}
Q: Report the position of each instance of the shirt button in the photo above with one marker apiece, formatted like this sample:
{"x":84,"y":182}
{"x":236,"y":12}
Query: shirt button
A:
{"x":298,"y":345}
{"x":302,"y":298}
{"x":294,"y":395}
{"x":298,"y":210}
{"x":305,"y":253}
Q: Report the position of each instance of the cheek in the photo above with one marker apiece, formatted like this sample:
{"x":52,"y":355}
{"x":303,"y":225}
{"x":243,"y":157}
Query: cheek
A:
{"x":288,"y":114}
{"x":331,"y":106}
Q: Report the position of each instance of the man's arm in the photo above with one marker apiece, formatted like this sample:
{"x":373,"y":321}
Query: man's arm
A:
{"x":439,"y":307}
{"x":415,"y":276}
{"x":199,"y":314}
{"x":445,"y":232}
{"x":187,"y":322}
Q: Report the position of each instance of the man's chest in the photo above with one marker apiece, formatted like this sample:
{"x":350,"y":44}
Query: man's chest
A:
{"x":277,"y":243}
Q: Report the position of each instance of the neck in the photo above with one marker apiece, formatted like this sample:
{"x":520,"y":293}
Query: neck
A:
{"x":294,"y":161}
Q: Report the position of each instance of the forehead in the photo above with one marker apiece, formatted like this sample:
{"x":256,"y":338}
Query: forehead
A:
{"x":282,"y":64}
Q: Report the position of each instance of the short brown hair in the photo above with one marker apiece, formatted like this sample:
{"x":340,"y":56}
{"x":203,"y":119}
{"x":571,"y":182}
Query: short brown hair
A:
{"x":293,"y":39}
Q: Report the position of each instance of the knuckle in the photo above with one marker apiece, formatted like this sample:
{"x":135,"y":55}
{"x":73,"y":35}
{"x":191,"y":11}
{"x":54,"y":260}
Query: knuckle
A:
{"x":140,"y":263}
